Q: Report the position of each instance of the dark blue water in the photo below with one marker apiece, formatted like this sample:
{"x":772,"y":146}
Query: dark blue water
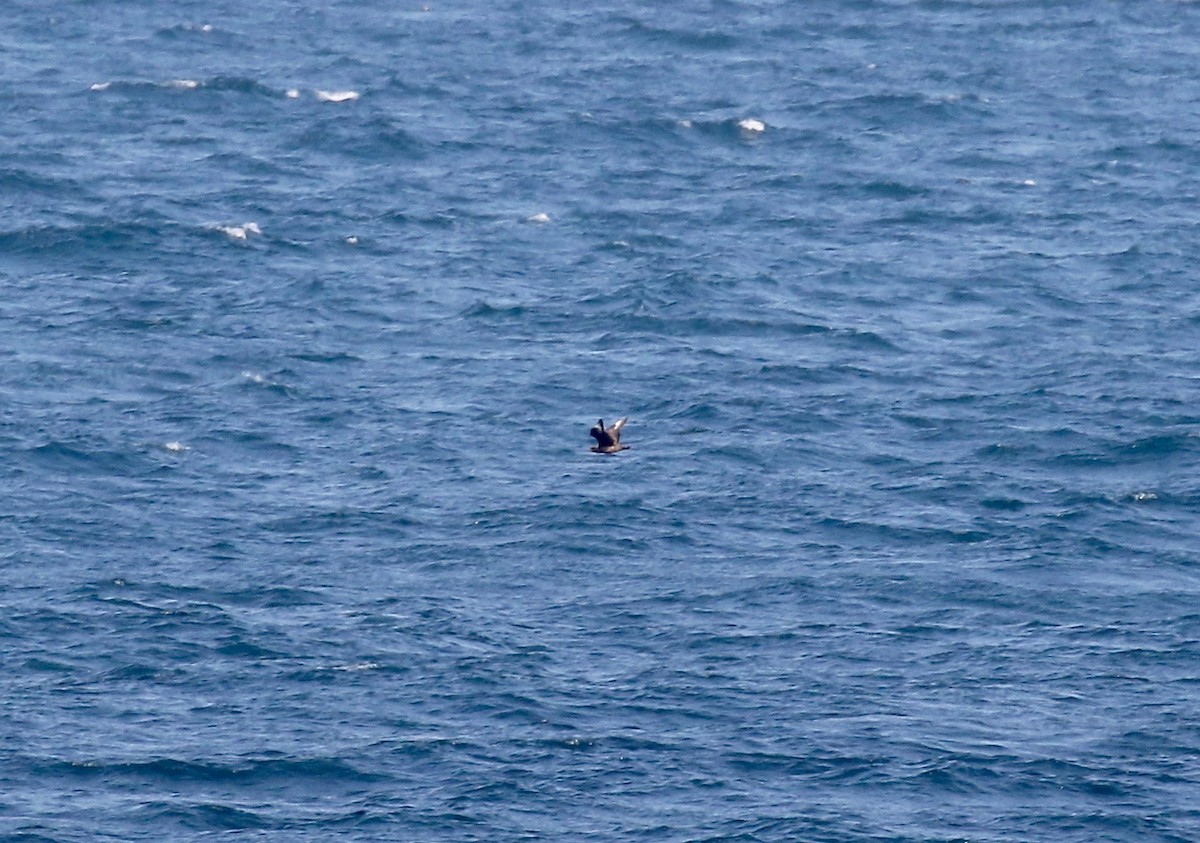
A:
{"x":307,"y":313}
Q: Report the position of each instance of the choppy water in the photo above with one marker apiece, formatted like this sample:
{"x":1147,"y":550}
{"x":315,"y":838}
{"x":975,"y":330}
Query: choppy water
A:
{"x":307,"y":313}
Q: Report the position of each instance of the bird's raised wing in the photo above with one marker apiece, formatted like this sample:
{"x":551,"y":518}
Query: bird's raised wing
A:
{"x":615,"y":430}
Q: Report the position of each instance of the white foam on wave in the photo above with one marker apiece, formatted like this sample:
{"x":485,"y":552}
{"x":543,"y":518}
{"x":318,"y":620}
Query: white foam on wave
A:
{"x":254,"y":377}
{"x":541,"y":217}
{"x":355,"y":668}
{"x":337,"y":96}
{"x":293,"y":94}
{"x":175,"y":447}
{"x":752,"y":126}
{"x":240,"y":232}
{"x":175,"y":84}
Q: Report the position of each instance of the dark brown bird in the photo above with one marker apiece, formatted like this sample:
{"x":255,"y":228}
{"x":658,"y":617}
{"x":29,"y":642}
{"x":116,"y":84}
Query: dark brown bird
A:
{"x":608,"y":439}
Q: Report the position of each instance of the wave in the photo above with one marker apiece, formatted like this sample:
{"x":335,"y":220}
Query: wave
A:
{"x":734,"y":129}
{"x":205,"y":816}
{"x":699,"y":40}
{"x":1108,"y":451}
{"x":155,"y":597}
{"x":215,"y":84}
{"x":337,"y":96}
{"x":376,"y":138}
{"x":51,"y":238}
{"x":240,"y":770}
{"x":220,"y":84}
{"x":186,"y":29}
{"x":20,"y":180}
{"x":86,"y":457}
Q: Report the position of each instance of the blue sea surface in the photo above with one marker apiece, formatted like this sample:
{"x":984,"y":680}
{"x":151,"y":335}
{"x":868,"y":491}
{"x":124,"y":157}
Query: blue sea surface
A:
{"x":308,"y":309}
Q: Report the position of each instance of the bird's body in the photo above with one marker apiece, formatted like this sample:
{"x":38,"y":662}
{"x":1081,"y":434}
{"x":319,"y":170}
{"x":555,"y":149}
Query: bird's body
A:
{"x":608,"y":439}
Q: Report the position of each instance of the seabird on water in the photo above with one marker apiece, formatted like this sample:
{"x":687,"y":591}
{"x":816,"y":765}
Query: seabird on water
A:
{"x":608,"y":439}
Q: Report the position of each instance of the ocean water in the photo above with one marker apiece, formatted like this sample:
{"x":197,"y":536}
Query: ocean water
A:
{"x":307,"y":311}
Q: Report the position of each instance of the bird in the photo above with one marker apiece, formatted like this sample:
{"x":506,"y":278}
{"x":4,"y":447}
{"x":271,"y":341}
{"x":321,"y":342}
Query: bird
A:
{"x":608,"y":439}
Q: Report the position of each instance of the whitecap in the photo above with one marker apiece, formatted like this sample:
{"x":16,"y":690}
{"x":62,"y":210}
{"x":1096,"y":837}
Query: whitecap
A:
{"x":175,"y":447}
{"x":337,"y":96}
{"x":352,"y":240}
{"x":184,"y":84}
{"x":749,"y":124}
{"x":240,"y":232}
{"x":293,"y":94}
{"x":540,"y":217}
{"x":100,"y":86}
{"x":254,"y":377}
